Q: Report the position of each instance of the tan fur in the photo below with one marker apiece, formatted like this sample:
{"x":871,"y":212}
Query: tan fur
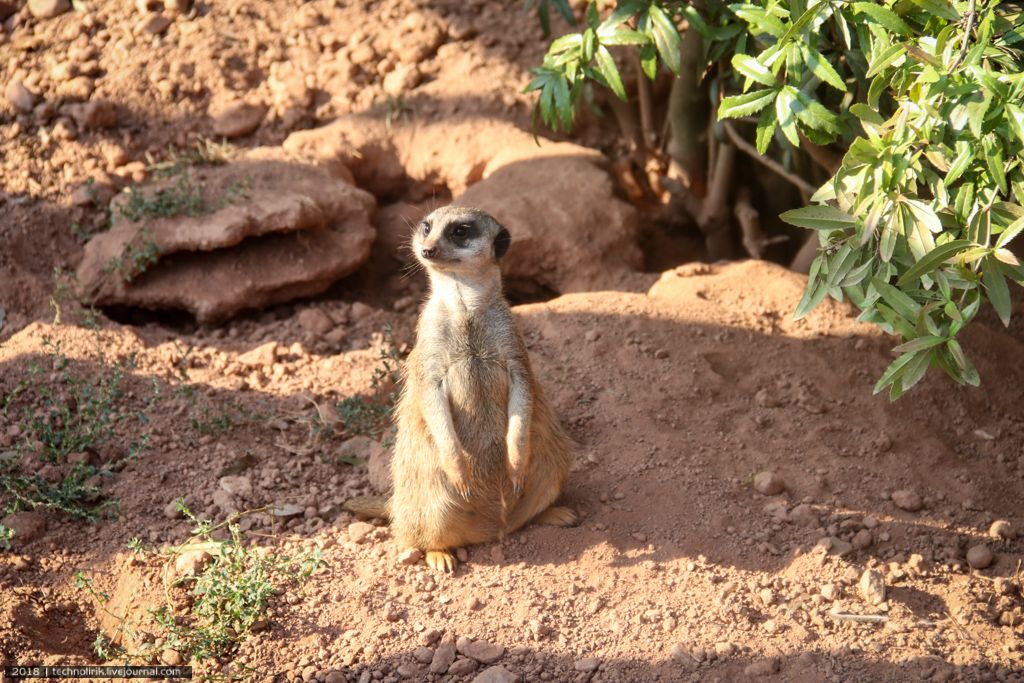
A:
{"x":471,"y":415}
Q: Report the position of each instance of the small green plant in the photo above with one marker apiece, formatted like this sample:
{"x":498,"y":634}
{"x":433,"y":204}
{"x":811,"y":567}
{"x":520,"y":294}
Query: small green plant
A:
{"x":180,"y":199}
{"x":6,"y":534}
{"x":72,"y":420}
{"x":368,"y":415}
{"x":231,"y":595}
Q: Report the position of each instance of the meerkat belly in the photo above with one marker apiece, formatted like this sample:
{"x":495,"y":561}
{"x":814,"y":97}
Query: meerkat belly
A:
{"x":478,"y":395}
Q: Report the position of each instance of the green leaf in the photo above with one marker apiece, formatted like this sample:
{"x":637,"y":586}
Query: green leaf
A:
{"x":625,"y":36}
{"x":920,"y":344}
{"x":932,"y":260}
{"x":666,"y":37}
{"x":766,"y":125}
{"x":1011,"y":231}
{"x":745,"y":104}
{"x":753,"y":69}
{"x":884,"y":16}
{"x":566,"y":42}
{"x":814,"y":115}
{"x":761,"y":20}
{"x":606,"y":65}
{"x":967,"y":370}
{"x":884,"y":58}
{"x":893,"y":372}
{"x":923,"y":213}
{"x":995,"y":287}
{"x":821,"y":67}
{"x":821,"y":217}
{"x":649,"y":60}
{"x":994,"y":160}
{"x":866,"y":113}
{"x":784,"y":107}
{"x":964,"y":157}
{"x":900,"y":302}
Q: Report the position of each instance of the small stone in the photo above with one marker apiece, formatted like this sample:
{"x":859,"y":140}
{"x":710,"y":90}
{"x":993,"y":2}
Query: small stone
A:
{"x":263,"y":355}
{"x":48,"y":9}
{"x":769,"y":483}
{"x":588,"y":664}
{"x":153,"y":24}
{"x":239,"y":120}
{"x":872,"y":587}
{"x":724,"y":649}
{"x":980,"y":557}
{"x":171,"y":510}
{"x":462,"y":555}
{"x":237,"y":485}
{"x":287,"y":511}
{"x":907,"y":500}
{"x":443,"y":657}
{"x":497,"y":555}
{"x":1002,"y":529}
{"x":496,"y":674}
{"x":19,"y":96}
{"x":661,"y":354}
{"x":178,"y":6}
{"x":335,"y":676}
{"x":463,"y":667}
{"x":78,"y":89}
{"x":192,"y":562}
{"x":680,"y":652}
{"x":763,"y":667}
{"x":829,"y":591}
{"x":592,"y":335}
{"x":359,"y":531}
{"x":862,"y":539}
{"x":480,"y":650}
{"x":171,"y":657}
{"x":424,"y":655}
{"x":314,"y":321}
{"x":410,"y":556}
{"x":403,"y":78}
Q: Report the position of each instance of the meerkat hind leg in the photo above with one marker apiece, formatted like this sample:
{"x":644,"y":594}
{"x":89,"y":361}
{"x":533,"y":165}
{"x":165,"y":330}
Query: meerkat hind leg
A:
{"x":557,"y":515}
{"x":442,"y":561}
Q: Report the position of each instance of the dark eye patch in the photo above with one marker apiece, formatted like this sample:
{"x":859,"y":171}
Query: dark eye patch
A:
{"x":462,"y":233}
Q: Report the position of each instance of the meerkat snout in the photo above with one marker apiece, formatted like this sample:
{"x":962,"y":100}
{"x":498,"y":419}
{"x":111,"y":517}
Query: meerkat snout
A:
{"x":455,"y":238}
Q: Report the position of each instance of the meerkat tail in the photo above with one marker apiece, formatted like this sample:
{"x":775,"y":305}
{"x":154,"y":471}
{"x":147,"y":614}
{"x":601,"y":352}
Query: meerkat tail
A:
{"x":368,"y":507}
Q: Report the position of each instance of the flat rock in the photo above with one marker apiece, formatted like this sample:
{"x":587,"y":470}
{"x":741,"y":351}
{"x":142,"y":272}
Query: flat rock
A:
{"x":463,"y":667}
{"x":769,"y":483}
{"x":443,"y":658}
{"x":360,"y":531}
{"x":495,"y":674}
{"x":269,"y":230}
{"x":48,"y":9}
{"x":480,"y":650}
{"x":908,"y":500}
{"x":239,"y":119}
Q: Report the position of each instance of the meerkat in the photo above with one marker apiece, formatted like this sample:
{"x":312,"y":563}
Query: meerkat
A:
{"x":478,"y":451}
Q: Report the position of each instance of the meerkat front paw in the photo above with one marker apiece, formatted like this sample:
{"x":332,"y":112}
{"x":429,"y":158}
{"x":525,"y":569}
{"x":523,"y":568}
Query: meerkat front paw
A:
{"x":442,"y":561}
{"x":517,"y":475}
{"x":457,"y":477}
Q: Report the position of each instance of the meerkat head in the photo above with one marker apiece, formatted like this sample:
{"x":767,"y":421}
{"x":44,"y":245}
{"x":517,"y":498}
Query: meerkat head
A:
{"x":456,"y":239}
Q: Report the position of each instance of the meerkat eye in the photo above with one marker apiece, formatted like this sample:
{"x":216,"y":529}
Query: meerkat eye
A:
{"x":426,"y":227}
{"x":459,"y":232}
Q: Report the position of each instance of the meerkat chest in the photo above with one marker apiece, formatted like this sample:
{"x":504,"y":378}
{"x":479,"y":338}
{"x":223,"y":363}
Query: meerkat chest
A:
{"x":474,"y":365}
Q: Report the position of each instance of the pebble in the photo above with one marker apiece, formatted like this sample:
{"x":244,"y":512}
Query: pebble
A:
{"x":980,"y":557}
{"x":592,"y":335}
{"x":19,"y":96}
{"x":463,"y":667}
{"x":239,"y":120}
{"x":587,"y":664}
{"x":769,"y":483}
{"x":48,"y":9}
{"x":680,"y":652}
{"x":862,"y":539}
{"x":480,"y":650}
{"x":763,"y":667}
{"x":408,"y":670}
{"x":443,"y":658}
{"x":829,"y":591}
{"x":358,"y":531}
{"x":907,"y":500}
{"x":335,"y":677}
{"x":314,"y":321}
{"x":872,"y":587}
{"x":171,"y":657}
{"x":405,"y":77}
{"x":1001,"y":529}
{"x":153,"y":24}
{"x":77,"y":89}
{"x":192,"y":562}
{"x":171,"y":511}
{"x":410,"y":556}
{"x":724,"y":649}
{"x":423,"y":655}
{"x":496,"y":674}
{"x":237,"y":485}
{"x":430,"y":637}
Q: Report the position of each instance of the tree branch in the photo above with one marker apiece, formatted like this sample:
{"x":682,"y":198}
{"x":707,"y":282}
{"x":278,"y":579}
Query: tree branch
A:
{"x":775,"y":166}
{"x":754,"y":239}
{"x":970,"y":18}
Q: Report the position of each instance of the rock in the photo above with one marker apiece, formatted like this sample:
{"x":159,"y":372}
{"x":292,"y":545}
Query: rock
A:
{"x":27,"y":525}
{"x":763,"y":667}
{"x":78,"y":89}
{"x":178,"y":6}
{"x":377,"y":457}
{"x":154,"y":23}
{"x":263,"y":356}
{"x":495,"y":674}
{"x":171,"y":657}
{"x":480,"y":650}
{"x":171,"y":510}
{"x":395,"y":223}
{"x":288,"y":511}
{"x":225,"y":501}
{"x":588,"y":664}
{"x":423,"y":655}
{"x":313,"y":228}
{"x":359,"y":531}
{"x":336,"y":676}
{"x":410,"y":557}
{"x":907,"y":500}
{"x":829,"y":591}
{"x":99,"y":114}
{"x":314,"y":321}
{"x":48,"y":9}
{"x":862,"y":539}
{"x":1002,"y":529}
{"x":769,"y":483}
{"x":192,"y":562}
{"x":443,"y":657}
{"x":872,"y":587}
{"x":724,"y":649}
{"x":463,"y":667}
{"x":239,"y":119}
{"x":980,"y":557}
{"x":418,"y":37}
{"x":19,"y":96}
{"x":239,"y":486}
{"x":405,"y":77}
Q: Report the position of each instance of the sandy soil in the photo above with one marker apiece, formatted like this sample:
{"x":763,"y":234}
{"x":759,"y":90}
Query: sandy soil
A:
{"x":690,"y":562}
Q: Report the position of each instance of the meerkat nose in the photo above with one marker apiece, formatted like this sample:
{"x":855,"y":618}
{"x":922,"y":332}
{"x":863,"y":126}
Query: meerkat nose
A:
{"x":429,"y":253}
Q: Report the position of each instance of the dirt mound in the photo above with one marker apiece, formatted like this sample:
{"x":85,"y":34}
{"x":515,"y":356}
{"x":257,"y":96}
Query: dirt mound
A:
{"x":216,"y":240}
{"x":569,"y":231}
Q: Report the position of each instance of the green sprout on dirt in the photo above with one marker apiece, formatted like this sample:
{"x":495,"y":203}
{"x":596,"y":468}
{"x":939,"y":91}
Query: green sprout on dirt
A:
{"x":6,"y":534}
{"x":66,"y":428}
{"x":369,"y":415}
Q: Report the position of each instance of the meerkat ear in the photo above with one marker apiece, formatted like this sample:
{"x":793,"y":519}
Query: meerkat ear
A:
{"x":501,"y":242}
